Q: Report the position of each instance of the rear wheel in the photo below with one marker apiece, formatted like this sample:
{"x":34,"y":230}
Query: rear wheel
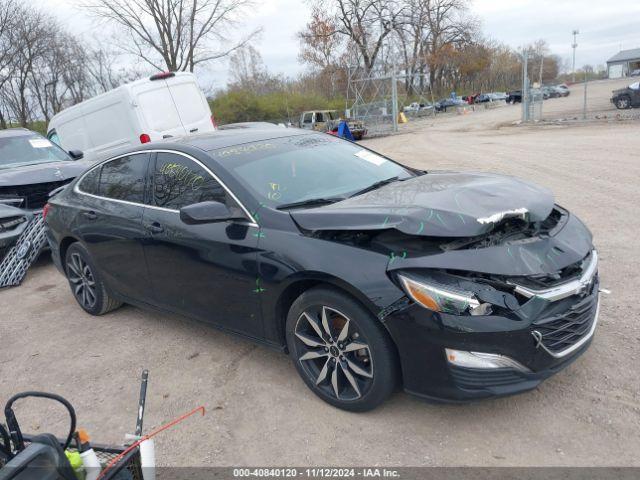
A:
{"x":340,"y":350}
{"x":86,"y":285}
{"x":623,"y":102}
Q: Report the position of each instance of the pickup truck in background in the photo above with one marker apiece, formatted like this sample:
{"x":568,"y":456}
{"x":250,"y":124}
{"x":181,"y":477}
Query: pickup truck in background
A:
{"x":328,"y":121}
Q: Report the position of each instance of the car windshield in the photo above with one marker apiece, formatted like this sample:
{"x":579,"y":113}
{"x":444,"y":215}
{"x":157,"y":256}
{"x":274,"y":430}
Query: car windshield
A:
{"x":304,"y":167}
{"x":33,"y":149}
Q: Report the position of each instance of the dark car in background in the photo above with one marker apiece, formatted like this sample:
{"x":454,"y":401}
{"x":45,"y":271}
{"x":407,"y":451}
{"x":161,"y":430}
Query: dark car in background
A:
{"x":370,"y":274}
{"x":627,"y":97}
{"x":30,"y":168}
{"x":514,"y":96}
{"x":445,"y":103}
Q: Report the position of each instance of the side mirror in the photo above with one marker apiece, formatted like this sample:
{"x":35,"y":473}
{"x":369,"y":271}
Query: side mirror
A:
{"x":206,"y":212}
{"x":76,"y":154}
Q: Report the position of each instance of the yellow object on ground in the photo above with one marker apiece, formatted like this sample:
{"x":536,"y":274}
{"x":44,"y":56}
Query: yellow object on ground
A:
{"x":402,"y":118}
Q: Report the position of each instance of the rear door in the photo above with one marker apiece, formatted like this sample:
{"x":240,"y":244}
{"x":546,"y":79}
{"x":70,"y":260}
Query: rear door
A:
{"x":191,"y":104}
{"x":158,"y":114}
{"x":110,"y":223}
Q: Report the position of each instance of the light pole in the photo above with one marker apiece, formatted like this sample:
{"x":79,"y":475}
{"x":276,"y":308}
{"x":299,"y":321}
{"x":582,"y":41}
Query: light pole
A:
{"x":574,"y":45}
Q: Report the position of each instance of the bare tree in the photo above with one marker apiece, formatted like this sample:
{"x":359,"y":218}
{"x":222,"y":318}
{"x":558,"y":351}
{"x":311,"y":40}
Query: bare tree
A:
{"x":367,"y":23}
{"x":175,"y":35}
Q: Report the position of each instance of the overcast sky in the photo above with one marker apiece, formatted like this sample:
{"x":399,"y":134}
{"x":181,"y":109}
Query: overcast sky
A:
{"x":605,"y":28}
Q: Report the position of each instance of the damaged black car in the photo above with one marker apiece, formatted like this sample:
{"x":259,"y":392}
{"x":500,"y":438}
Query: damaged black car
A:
{"x":371,"y":275}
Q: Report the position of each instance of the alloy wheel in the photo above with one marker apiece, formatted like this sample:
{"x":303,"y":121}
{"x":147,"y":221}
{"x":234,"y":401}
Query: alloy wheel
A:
{"x":82,"y":281}
{"x":333,"y":353}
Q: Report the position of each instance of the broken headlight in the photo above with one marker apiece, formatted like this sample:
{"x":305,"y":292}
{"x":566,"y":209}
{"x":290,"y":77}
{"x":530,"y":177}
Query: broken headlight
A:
{"x":442,"y":298}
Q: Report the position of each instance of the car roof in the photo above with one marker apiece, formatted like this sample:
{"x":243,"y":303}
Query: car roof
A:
{"x":232,"y":137}
{"x":16,"y":132}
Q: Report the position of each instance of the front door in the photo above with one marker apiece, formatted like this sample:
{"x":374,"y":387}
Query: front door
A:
{"x":208,"y":270}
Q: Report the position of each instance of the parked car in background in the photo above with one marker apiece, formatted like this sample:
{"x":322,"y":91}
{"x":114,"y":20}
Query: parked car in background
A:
{"x":563,"y":90}
{"x":550,"y":92}
{"x":445,"y":103}
{"x":30,"y":168}
{"x":370,"y":274}
{"x":162,"y":106}
{"x":417,"y":107}
{"x":499,"y":96}
{"x":514,"y":96}
{"x":328,"y":121}
{"x":635,"y":73}
{"x":627,"y":97}
{"x":483,"y":98}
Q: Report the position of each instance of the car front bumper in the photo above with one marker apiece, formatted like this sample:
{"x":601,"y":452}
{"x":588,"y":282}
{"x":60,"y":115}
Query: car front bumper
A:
{"x":421,"y":337}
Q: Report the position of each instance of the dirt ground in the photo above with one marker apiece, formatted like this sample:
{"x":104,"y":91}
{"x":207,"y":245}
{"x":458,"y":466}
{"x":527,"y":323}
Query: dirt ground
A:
{"x":260,"y":413}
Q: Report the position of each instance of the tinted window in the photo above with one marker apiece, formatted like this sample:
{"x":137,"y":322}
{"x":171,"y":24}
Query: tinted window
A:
{"x":319,"y":117}
{"x":178,"y":182}
{"x":89,"y":183}
{"x":123,"y":178}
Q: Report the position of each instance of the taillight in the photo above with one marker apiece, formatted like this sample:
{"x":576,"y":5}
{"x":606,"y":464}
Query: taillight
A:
{"x":45,"y":210}
{"x":213,"y":120}
{"x":145,"y":138}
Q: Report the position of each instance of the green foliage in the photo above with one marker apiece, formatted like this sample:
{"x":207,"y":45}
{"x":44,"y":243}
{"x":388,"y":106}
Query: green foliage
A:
{"x":39,"y":126}
{"x":241,"y":105}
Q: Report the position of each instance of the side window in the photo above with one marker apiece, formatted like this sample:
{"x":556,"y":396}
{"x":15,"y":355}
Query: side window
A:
{"x":307,"y":117}
{"x":89,"y":183}
{"x":178,"y":182}
{"x":123,"y":178}
{"x":54,"y":137}
{"x":319,"y":117}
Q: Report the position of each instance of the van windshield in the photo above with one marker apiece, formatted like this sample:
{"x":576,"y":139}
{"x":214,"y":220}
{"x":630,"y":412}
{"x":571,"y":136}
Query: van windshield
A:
{"x":29,"y":150}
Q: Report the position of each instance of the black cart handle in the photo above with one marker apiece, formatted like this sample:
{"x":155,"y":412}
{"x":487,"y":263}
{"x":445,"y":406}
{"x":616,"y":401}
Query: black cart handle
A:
{"x":12,"y":422}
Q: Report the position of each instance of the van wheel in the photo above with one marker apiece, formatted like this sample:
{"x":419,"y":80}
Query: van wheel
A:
{"x":340,"y":350}
{"x":86,"y":285}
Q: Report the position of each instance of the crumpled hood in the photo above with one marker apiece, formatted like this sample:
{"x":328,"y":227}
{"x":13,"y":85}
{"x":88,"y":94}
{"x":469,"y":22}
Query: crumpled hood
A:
{"x":441,"y":204}
{"x":42,"y":173}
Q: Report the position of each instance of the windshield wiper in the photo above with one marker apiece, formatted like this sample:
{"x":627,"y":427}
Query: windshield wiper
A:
{"x":311,"y":202}
{"x":374,"y":186}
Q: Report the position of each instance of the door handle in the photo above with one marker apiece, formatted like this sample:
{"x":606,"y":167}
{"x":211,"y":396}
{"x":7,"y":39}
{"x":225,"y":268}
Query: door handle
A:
{"x":90,"y":215}
{"x":193,"y":130}
{"x":155,"y":227}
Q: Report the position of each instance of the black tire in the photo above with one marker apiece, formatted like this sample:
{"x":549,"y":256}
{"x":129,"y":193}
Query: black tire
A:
{"x":86,"y":284}
{"x":623,"y":102}
{"x":374,"y":368}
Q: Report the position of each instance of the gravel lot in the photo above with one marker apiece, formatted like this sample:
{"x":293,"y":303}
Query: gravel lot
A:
{"x":260,"y":413}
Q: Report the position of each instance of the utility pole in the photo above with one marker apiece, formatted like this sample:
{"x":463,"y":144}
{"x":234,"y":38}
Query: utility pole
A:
{"x":574,"y":46}
{"x":525,"y":86}
{"x":394,"y":97}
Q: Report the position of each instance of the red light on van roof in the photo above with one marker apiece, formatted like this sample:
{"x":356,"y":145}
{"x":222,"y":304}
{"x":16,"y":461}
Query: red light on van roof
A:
{"x":162,"y":76}
{"x":145,"y":138}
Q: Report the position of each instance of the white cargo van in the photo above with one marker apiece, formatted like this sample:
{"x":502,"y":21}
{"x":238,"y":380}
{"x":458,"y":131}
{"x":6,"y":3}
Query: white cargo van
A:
{"x":162,"y":106}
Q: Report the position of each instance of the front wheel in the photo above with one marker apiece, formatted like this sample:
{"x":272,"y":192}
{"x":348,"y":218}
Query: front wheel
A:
{"x":340,"y":350}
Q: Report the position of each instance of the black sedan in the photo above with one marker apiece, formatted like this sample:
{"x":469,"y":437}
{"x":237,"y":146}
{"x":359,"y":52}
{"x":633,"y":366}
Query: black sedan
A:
{"x":370,"y":274}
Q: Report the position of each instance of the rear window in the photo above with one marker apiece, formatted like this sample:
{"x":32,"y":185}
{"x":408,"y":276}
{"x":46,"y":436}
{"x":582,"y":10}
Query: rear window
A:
{"x":191,"y":106}
{"x":123,"y":178}
{"x":159,"y":110}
